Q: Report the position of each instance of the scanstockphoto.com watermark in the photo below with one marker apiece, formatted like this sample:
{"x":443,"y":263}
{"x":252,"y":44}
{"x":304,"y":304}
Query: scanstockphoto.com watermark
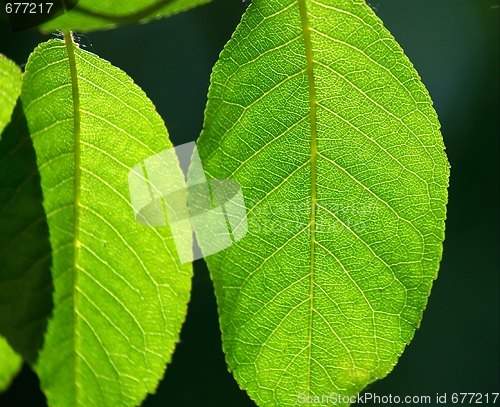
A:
{"x":373,"y":398}
{"x":362,"y":398}
{"x":294,"y":217}
{"x":172,"y":187}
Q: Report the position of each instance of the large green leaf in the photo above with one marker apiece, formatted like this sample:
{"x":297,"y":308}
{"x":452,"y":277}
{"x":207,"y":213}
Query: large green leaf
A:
{"x":10,"y":87}
{"x":10,"y":364}
{"x":25,"y":253}
{"x":315,"y":110}
{"x":120,"y":293}
{"x":92,"y":15}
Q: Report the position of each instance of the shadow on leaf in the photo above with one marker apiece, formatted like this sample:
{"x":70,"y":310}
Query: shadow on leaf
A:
{"x":25,"y":252}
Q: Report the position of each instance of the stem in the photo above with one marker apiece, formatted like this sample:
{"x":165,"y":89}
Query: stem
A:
{"x":68,"y":39}
{"x":312,"y":117}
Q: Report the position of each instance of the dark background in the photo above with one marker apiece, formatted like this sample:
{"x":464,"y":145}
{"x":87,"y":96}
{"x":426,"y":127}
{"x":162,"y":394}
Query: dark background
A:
{"x":454,"y":44}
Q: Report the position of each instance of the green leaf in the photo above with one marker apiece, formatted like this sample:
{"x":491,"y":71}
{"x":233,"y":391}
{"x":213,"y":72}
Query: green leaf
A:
{"x":25,"y":252}
{"x":92,"y":15}
{"x":10,"y":364}
{"x":10,"y":87}
{"x":318,"y":114}
{"x":120,"y":293}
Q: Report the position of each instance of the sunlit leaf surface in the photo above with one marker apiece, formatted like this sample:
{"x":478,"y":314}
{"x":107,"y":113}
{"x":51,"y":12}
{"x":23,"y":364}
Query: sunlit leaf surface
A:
{"x":120,"y":293}
{"x":92,"y":15}
{"x":10,"y":87}
{"x":10,"y":364}
{"x":318,"y":114}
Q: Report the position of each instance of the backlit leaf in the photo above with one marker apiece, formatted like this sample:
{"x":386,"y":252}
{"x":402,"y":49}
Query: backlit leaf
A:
{"x":25,"y":253}
{"x":317,"y":113}
{"x":120,"y":293}
{"x":10,"y":364}
{"x":10,"y":87}
{"x":92,"y":15}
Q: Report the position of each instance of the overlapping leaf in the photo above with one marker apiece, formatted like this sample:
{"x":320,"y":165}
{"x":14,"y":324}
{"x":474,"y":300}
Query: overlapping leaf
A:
{"x":25,"y":253}
{"x":10,"y":364}
{"x":120,"y":293}
{"x":10,"y":87}
{"x":22,"y":315}
{"x":317,"y":113}
{"x":92,"y":15}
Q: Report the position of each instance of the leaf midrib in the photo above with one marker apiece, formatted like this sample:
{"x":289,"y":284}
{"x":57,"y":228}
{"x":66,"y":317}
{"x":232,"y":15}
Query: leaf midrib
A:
{"x":68,"y":40}
{"x":312,"y":105}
